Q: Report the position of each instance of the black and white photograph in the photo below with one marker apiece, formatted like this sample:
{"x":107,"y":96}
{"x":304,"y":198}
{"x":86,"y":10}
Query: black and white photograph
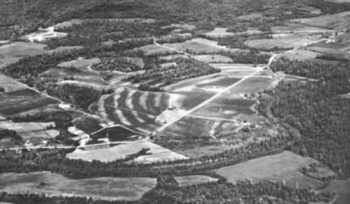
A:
{"x":174,"y":101}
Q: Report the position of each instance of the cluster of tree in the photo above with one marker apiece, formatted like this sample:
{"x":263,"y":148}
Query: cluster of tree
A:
{"x":61,"y":118}
{"x":5,"y":133}
{"x":317,"y":110}
{"x":94,"y":32}
{"x":157,"y":76}
{"x":31,"y":14}
{"x":116,"y":64}
{"x":250,"y":57}
{"x":88,"y":124}
{"x":80,"y":96}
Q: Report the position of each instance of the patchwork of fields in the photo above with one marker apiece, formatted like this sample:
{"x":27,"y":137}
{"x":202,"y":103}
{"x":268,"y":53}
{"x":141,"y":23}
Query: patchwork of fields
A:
{"x":177,"y":101}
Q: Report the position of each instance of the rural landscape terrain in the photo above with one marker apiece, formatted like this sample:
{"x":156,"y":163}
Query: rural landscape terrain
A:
{"x":174,"y":101}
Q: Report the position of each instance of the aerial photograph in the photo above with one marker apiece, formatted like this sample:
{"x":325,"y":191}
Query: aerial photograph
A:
{"x":174,"y":101}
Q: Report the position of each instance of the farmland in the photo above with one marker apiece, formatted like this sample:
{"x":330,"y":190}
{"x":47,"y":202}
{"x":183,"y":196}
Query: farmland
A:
{"x":284,"y":167}
{"x":95,"y":188}
{"x":194,"y":101}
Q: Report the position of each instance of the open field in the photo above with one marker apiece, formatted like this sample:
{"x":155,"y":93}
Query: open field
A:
{"x":227,"y":108}
{"x":193,"y":180}
{"x":150,"y":50}
{"x":72,"y":22}
{"x":198,"y":127}
{"x":284,"y":167}
{"x":9,"y":84}
{"x":288,"y":41}
{"x":197,"y":45}
{"x":80,"y":63}
{"x":333,"y":21}
{"x":102,"y":188}
{"x":25,"y":127}
{"x":301,"y":55}
{"x":22,"y":100}
{"x":43,"y":35}
{"x":11,"y":53}
{"x":300,"y":29}
{"x":219,"y":33}
{"x":104,"y":153}
{"x":253,"y":85}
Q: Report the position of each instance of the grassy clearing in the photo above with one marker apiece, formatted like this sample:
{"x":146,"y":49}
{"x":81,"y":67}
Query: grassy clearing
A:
{"x":301,"y":55}
{"x":13,"y":52}
{"x":80,"y":63}
{"x":155,"y":153}
{"x":25,"y":127}
{"x":283,"y":167}
{"x":253,"y":85}
{"x":341,"y":188}
{"x":198,"y":45}
{"x":213,"y":58}
{"x":153,"y":50}
{"x":227,"y":108}
{"x":193,"y":180}
{"x":284,"y":42}
{"x":102,"y":188}
{"x":219,"y":33}
{"x":334,"y":21}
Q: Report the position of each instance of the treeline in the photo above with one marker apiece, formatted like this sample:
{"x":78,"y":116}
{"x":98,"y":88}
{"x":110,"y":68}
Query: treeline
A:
{"x":55,"y":161}
{"x":115,"y":64}
{"x":217,"y":192}
{"x":250,"y":57}
{"x":28,"y":198}
{"x":317,"y":110}
{"x":80,"y":96}
{"x":5,"y":133}
{"x":157,"y":76}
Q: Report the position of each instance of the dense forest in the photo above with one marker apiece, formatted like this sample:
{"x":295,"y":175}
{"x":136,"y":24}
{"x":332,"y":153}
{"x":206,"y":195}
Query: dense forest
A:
{"x":22,"y":16}
{"x":317,"y":110}
{"x":115,"y":64}
{"x":157,"y":76}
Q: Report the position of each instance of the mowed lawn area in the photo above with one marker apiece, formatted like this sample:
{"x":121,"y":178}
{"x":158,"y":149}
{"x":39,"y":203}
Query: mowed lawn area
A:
{"x":101,"y":188}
